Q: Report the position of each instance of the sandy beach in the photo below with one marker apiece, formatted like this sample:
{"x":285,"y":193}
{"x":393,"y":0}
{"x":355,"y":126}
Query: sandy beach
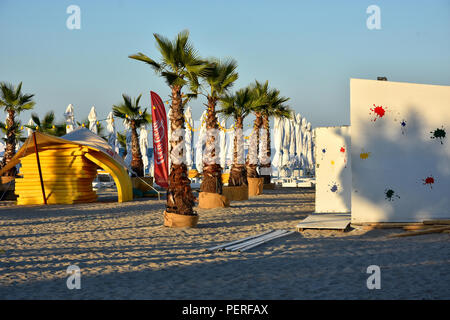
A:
{"x":124,"y":252}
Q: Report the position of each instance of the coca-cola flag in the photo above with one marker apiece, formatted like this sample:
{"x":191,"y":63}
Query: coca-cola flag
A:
{"x":160,"y":141}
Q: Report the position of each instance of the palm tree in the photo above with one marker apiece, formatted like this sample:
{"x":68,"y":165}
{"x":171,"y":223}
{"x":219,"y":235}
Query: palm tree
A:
{"x":14,"y":102}
{"x":17,"y":128}
{"x":219,"y":81}
{"x":134,"y":117}
{"x":47,"y":124}
{"x":179,"y":66}
{"x":238,"y":106}
{"x":260,"y":92}
{"x":275,"y":107}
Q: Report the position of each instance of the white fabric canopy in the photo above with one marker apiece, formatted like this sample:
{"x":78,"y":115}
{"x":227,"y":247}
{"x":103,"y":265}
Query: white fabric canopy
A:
{"x":292,"y":143}
{"x":223,"y":143}
{"x":286,"y":141}
{"x":189,"y":137}
{"x":200,"y":142}
{"x":70,"y":118}
{"x":278,"y":142}
{"x":309,"y":155}
{"x":30,"y":131}
{"x":112,"y":134}
{"x":143,"y":145}
{"x":92,"y":117}
{"x":298,"y":138}
{"x":304,"y":163}
{"x":129,"y":155}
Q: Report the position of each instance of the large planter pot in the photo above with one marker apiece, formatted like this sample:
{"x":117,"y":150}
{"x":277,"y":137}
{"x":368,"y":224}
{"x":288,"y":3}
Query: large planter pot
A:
{"x":208,"y":200}
{"x":174,"y":220}
{"x":255,"y":186}
{"x":239,"y":193}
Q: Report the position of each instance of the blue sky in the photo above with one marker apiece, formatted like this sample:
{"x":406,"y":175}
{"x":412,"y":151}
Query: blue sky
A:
{"x":307,"y":49}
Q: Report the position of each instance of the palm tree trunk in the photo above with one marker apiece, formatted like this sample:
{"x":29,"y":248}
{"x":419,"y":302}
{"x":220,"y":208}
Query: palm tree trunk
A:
{"x":253,"y":152}
{"x":212,"y":171}
{"x":136,"y":161}
{"x":180,"y":199}
{"x":266,"y":127}
{"x":10,"y":149}
{"x":238,"y":172}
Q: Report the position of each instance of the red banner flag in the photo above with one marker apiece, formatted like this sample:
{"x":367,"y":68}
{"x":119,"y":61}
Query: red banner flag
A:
{"x":160,"y":141}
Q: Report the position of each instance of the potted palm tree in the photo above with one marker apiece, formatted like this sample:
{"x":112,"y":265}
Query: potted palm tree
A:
{"x":13,"y":101}
{"x":134,"y":117}
{"x":275,"y":107}
{"x":180,"y":65}
{"x":218,"y":82}
{"x":238,"y":106}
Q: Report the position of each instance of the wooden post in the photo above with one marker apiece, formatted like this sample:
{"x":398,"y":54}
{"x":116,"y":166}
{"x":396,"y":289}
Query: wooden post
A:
{"x":39,"y":167}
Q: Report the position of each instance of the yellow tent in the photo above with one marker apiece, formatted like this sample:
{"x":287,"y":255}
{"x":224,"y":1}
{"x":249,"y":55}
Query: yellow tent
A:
{"x":68,"y":167}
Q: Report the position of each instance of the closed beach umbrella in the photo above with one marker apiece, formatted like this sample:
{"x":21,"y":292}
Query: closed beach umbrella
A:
{"x":309,"y":155}
{"x":143,"y":145}
{"x":304,"y":145}
{"x":112,"y":134}
{"x":286,"y":141}
{"x":70,"y":118}
{"x":30,"y":131}
{"x":298,"y":138}
{"x":223,"y":144}
{"x":92,"y":117}
{"x":292,"y":143}
{"x":129,"y":155}
{"x":230,"y":148}
{"x":200,"y":142}
{"x":278,"y":142}
{"x":189,"y":137}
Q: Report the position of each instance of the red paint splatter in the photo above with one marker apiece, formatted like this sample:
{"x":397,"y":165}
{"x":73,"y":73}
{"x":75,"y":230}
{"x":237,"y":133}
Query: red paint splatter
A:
{"x":379,"y":111}
{"x":429,"y":180}
{"x":342,"y":149}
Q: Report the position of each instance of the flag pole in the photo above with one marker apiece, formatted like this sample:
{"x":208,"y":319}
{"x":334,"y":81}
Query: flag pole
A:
{"x":39,"y":167}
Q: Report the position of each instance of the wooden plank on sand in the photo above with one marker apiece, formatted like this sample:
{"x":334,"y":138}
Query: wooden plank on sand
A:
{"x":436,"y":222}
{"x":417,"y":233}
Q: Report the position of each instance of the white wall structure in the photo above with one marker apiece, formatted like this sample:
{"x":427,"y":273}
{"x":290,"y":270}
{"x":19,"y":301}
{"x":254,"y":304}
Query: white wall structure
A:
{"x":400,"y":151}
{"x":333,"y":170}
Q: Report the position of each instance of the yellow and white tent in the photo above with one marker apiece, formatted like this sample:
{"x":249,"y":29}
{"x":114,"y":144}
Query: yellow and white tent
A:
{"x":68,"y":167}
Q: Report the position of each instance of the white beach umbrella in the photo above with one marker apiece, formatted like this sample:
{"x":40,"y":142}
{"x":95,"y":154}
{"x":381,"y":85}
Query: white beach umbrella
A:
{"x":200,"y":142}
{"x":70,"y":118}
{"x":286,"y":141}
{"x":304,"y":163}
{"x":189,"y":137}
{"x":298,"y":137}
{"x":223,"y":143}
{"x":230,"y":148}
{"x":128,"y":157}
{"x":30,"y":131}
{"x":112,"y":133}
{"x":143,"y":145}
{"x":92,"y":117}
{"x":278,"y":143}
{"x":309,"y":155}
{"x":292,"y":143}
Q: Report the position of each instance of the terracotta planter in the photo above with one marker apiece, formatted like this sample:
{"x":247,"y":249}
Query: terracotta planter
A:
{"x":174,"y":220}
{"x":207,"y":200}
{"x":255,"y":186}
{"x":239,"y":193}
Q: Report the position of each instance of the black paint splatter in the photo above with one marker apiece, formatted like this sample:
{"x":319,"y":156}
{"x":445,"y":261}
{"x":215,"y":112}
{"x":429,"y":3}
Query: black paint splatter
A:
{"x":334,"y":187}
{"x":390,"y":195}
{"x":438,"y":134}
{"x":403,"y":126}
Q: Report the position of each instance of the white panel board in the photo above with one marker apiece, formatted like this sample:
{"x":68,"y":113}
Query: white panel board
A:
{"x":333,"y":170}
{"x":400,"y":151}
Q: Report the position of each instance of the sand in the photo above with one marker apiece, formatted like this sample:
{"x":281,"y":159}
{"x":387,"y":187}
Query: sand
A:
{"x":124,"y":252}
